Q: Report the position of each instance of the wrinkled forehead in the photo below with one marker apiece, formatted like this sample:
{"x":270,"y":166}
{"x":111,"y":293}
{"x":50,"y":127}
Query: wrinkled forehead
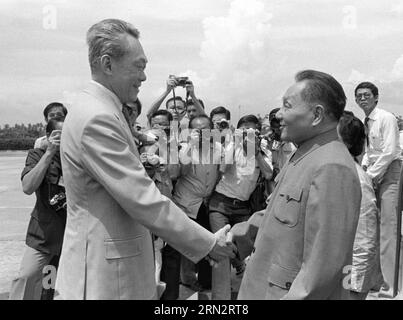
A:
{"x":293,"y":93}
{"x":135,"y":50}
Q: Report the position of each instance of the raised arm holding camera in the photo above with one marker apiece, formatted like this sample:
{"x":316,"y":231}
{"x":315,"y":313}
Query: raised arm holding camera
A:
{"x":176,"y":105}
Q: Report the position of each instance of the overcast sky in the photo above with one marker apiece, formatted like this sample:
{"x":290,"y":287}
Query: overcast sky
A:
{"x":241,"y":54}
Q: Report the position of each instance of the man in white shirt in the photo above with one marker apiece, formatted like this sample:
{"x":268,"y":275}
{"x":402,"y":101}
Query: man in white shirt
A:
{"x":382,"y":163}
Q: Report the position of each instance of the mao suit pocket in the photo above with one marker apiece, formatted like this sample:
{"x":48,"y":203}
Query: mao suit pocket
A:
{"x":123,"y":248}
{"x":279,"y":281}
{"x":288,"y":206}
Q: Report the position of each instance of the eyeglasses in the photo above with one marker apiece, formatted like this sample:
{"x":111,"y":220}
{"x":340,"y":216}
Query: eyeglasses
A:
{"x":365,"y":95}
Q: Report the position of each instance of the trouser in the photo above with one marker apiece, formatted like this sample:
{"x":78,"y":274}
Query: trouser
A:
{"x":223,"y":211}
{"x":170,"y":272}
{"x":386,"y":193}
{"x":28,"y":284}
{"x":203,"y":268}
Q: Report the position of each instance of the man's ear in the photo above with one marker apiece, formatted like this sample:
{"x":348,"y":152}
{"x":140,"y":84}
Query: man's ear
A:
{"x":318,"y":113}
{"x":106,"y":64}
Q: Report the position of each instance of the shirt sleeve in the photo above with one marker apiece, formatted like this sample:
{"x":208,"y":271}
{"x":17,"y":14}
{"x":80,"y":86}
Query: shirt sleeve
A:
{"x":33,"y":157}
{"x":390,"y":140}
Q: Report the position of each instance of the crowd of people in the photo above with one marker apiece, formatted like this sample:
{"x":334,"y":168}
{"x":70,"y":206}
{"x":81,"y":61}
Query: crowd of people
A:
{"x":287,"y":203}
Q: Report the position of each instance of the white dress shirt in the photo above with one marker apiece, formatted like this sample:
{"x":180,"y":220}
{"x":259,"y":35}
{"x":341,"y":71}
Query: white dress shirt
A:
{"x":383,"y":143}
{"x":240,"y":178}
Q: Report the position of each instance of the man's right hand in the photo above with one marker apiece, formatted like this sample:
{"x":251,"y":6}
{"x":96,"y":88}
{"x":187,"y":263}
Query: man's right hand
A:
{"x":54,"y":142}
{"x":171,"y":84}
{"x":223,"y":248}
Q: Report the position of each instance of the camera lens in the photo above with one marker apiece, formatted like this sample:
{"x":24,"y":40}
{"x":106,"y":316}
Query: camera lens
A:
{"x":223,"y":125}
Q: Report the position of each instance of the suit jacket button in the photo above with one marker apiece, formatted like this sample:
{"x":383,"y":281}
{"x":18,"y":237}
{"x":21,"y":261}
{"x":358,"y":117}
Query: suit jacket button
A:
{"x":288,"y":285}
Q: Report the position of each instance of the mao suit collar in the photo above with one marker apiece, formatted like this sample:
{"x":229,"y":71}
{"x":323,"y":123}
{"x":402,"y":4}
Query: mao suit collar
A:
{"x":312,"y":144}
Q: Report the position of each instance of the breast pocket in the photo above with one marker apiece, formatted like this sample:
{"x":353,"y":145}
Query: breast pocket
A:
{"x":288,"y":206}
{"x":376,"y":141}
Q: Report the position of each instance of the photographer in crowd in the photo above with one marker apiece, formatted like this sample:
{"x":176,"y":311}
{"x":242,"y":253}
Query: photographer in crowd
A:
{"x":220,"y":117}
{"x":52,"y":110}
{"x":230,"y":204}
{"x":176,"y":105}
{"x":199,"y":157}
{"x":43,"y":175}
{"x":193,"y":110}
{"x":156,"y":161}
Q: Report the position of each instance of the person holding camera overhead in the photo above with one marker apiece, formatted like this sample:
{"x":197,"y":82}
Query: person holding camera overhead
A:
{"x":176,"y":105}
{"x":43,"y":175}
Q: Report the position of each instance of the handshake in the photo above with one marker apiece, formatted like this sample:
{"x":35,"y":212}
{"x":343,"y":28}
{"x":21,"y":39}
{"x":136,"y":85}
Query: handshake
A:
{"x":238,"y":242}
{"x":223,"y":248}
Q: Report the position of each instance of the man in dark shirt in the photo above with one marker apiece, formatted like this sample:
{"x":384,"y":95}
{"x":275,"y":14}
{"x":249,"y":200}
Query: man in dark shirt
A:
{"x":43,"y":175}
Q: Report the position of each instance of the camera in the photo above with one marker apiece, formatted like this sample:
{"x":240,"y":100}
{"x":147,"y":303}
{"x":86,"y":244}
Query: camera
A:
{"x":181,"y":81}
{"x":150,"y":160}
{"x":223,"y":124}
{"x":246,"y":131}
{"x":58,"y":202}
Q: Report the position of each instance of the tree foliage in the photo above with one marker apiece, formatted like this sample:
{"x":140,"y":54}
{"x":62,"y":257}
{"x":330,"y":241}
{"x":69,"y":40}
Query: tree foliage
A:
{"x":20,"y":136}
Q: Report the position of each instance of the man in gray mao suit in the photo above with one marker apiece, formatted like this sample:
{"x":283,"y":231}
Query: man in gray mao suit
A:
{"x":112,"y":205}
{"x":302,"y":244}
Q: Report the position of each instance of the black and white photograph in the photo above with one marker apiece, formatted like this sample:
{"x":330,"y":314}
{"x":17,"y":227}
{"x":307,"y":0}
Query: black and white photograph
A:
{"x":221,"y":151}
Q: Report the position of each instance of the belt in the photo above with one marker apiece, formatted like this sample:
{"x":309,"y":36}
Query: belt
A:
{"x":233,"y":201}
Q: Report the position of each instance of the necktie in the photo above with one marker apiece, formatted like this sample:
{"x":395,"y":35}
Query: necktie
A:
{"x":126,"y":110}
{"x":366,"y":130}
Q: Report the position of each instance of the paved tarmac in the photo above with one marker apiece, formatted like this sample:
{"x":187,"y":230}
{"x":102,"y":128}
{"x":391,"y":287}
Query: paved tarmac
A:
{"x":15,"y":209}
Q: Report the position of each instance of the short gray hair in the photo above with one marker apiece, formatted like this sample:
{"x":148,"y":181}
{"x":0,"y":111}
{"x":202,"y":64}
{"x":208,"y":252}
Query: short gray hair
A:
{"x":105,"y":37}
{"x":322,"y":87}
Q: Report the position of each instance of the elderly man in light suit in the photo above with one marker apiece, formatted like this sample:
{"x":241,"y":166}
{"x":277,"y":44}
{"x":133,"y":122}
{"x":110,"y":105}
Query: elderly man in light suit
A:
{"x":303,"y":247}
{"x":112,"y":204}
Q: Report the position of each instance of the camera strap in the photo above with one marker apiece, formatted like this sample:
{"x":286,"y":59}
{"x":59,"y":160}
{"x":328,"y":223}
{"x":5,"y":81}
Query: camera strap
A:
{"x":174,"y":96}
